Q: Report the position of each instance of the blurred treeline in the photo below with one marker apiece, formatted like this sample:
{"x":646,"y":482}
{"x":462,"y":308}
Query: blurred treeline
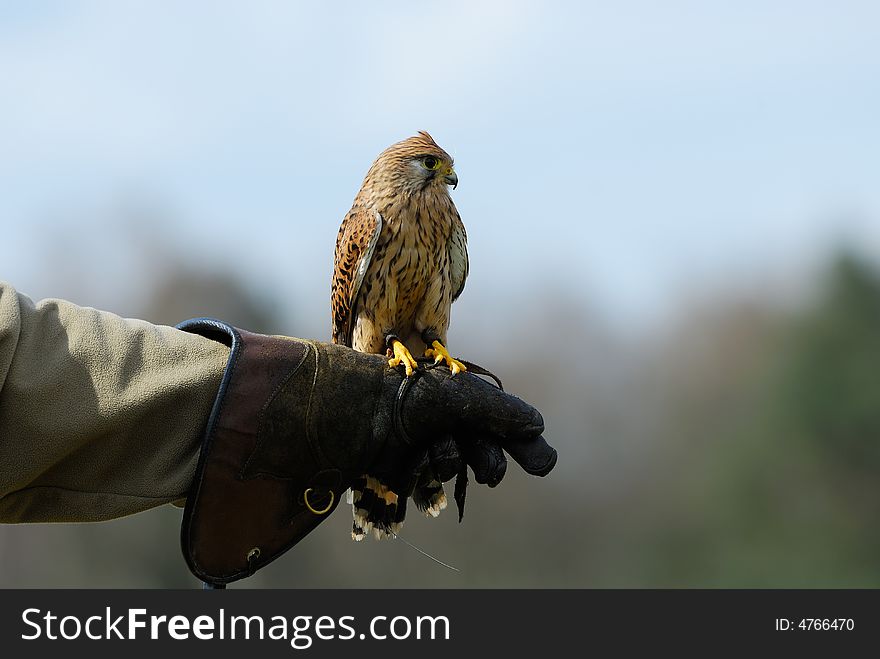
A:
{"x":738,"y":446}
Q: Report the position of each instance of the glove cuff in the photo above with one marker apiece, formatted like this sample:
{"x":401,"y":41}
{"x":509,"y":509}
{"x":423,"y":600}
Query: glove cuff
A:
{"x":260,"y":484}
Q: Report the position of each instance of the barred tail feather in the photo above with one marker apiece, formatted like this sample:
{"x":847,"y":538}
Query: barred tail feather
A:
{"x":429,"y":497}
{"x":375,"y":508}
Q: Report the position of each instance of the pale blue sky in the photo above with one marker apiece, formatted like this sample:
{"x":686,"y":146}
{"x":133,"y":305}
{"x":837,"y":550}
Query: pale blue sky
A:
{"x":634,"y":151}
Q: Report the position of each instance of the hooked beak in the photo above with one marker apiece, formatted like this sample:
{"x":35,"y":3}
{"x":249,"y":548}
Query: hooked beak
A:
{"x":451,"y":178}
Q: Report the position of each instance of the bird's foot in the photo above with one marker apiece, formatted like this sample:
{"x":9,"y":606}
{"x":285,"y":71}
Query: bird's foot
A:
{"x":402,"y":356}
{"x":441,"y":354}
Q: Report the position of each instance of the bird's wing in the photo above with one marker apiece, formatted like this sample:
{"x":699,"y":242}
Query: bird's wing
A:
{"x":458,"y":257}
{"x":355,"y":245}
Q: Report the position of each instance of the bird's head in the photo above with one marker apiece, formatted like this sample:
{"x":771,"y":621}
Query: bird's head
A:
{"x":415,"y":165}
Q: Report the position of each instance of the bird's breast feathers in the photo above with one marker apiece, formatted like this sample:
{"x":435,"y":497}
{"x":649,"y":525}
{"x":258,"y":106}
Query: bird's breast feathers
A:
{"x":413,"y":268}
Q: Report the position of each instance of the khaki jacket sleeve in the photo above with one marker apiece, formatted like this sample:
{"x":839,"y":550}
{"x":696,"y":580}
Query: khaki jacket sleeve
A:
{"x":100,"y":416}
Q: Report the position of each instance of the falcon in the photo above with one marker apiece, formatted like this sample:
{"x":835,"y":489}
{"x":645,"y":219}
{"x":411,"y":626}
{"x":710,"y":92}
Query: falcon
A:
{"x":401,"y":261}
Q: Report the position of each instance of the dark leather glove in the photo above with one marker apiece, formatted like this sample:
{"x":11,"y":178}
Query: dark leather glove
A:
{"x":296,"y":421}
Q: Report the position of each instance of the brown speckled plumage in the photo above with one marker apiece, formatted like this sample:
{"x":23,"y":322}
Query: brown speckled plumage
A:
{"x":401,"y":260}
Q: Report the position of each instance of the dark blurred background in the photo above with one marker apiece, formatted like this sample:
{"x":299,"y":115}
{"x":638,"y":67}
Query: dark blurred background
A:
{"x":674,"y":230}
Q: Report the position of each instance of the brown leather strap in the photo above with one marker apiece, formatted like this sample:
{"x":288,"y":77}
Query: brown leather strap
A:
{"x":240,"y":516}
{"x":473,"y":369}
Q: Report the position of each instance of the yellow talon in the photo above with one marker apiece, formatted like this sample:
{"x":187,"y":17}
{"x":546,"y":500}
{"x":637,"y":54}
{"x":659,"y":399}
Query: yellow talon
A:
{"x":441,"y":354}
{"x":402,"y":356}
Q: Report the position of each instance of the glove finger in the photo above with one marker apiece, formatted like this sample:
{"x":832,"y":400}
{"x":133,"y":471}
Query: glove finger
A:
{"x":485,"y":458}
{"x":485,"y":410}
{"x":437,"y":404}
{"x":534,"y":455}
{"x":445,"y":459}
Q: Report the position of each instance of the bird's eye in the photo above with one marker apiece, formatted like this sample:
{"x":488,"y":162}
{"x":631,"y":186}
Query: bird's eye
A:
{"x":431,"y":162}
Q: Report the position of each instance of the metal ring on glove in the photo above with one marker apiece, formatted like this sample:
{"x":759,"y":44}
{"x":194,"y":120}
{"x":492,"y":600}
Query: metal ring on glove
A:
{"x":318,"y":512}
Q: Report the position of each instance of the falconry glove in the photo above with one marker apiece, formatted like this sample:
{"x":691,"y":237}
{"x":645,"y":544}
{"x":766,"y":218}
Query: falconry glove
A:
{"x":295,"y":422}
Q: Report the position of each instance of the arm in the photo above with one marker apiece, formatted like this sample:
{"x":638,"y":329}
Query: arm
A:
{"x":100,"y":416}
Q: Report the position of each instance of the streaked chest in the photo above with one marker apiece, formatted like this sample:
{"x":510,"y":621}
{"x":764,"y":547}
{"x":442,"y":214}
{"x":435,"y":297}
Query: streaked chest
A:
{"x":412,"y":248}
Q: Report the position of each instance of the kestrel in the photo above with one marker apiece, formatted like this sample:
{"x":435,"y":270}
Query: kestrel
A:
{"x":401,"y":261}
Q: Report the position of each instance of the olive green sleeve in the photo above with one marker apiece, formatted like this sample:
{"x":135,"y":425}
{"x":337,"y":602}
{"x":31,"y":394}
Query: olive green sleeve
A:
{"x":100,"y":416}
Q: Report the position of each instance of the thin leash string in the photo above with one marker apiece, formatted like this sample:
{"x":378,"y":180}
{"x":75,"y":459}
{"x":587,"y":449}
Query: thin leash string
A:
{"x":405,"y":386}
{"x":474,"y":369}
{"x":398,"y":422}
{"x":422,"y":551}
{"x":210,"y":586}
